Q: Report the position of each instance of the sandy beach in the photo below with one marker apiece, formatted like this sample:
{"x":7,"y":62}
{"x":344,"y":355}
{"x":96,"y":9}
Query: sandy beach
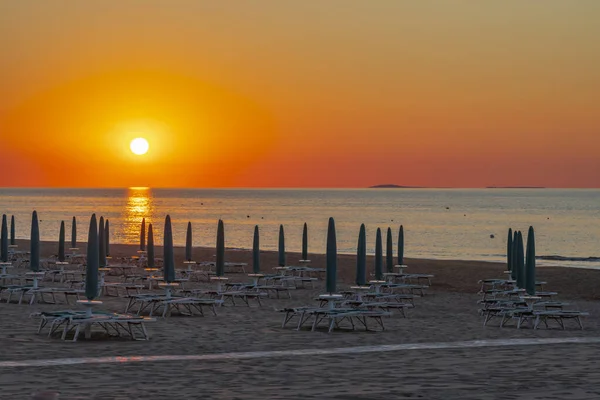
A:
{"x":447,"y":313}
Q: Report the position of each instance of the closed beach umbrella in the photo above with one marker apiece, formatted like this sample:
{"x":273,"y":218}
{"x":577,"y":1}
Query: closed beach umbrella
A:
{"x":74,"y":233}
{"x":256,"y":252}
{"x":401,"y":246}
{"x":34,"y":250}
{"x":361,"y":257}
{"x":150,"y":247}
{"x":513,"y":256}
{"x":91,"y":271}
{"x":530,"y":265}
{"x":389,"y":252}
{"x":281,"y":247}
{"x":220,"y":267}
{"x":378,"y":256}
{"x":305,"y":242}
{"x":143,"y":235}
{"x":107,"y":237}
{"x":13,"y":239}
{"x":101,"y":244}
{"x":188,"y":243}
{"x":509,"y":250}
{"x":61,"y":242}
{"x":520,"y":261}
{"x":169,"y":257}
{"x":4,"y":240}
{"x":331,"y":267}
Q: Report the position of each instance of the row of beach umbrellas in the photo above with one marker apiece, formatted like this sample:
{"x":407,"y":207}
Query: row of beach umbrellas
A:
{"x":520,"y":261}
{"x":98,"y":249}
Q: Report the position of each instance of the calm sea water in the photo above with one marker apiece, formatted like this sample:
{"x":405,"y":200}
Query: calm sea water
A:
{"x":443,"y":224}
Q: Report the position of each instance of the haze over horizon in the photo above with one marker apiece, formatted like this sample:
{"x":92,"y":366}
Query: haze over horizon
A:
{"x":313,"y":94}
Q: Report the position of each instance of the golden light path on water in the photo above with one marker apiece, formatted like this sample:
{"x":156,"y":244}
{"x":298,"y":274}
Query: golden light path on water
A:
{"x":301,"y":352}
{"x":139,"y":205}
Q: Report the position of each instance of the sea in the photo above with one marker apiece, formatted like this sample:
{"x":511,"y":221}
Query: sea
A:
{"x":461,"y":224}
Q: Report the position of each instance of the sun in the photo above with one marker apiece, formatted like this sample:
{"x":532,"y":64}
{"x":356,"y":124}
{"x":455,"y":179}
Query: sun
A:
{"x":139,"y":146}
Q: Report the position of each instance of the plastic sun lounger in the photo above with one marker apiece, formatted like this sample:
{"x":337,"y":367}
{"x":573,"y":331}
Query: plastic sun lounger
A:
{"x":412,"y":288}
{"x":184,"y":305}
{"x":559,"y":316}
{"x":127,"y":287}
{"x":111,"y":323}
{"x":37,"y":295}
{"x":336,"y":316}
{"x":398,"y":297}
{"x":276,"y":289}
{"x":377,"y":305}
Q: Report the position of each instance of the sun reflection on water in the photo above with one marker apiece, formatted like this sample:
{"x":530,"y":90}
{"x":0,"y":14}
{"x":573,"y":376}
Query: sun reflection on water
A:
{"x":139,"y":205}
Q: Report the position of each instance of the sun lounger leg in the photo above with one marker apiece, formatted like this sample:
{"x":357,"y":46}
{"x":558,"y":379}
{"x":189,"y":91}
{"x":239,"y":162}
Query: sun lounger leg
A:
{"x":76,"y":333}
{"x":315,"y":322}
{"x":332,"y":322}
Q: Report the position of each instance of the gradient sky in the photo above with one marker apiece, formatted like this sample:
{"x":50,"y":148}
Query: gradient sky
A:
{"x":336,"y":93}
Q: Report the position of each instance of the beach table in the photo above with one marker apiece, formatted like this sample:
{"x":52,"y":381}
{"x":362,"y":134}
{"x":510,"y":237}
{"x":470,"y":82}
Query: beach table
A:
{"x":4,"y":266}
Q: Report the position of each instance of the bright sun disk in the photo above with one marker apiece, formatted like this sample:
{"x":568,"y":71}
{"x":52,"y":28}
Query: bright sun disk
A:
{"x":139,"y":146}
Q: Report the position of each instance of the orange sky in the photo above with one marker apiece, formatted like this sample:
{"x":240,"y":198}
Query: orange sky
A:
{"x":337,"y":93}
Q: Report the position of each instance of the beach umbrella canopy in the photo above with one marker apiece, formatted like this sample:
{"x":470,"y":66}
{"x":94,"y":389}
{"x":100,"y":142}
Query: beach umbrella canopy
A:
{"x":520,"y":261}
{"x":61,"y":242}
{"x":509,"y":250}
{"x":378,"y":256}
{"x":107,"y":237}
{"x":4,"y":240}
{"x":169,"y":256}
{"x":256,"y":252}
{"x":530,"y":264}
{"x":361,"y":257}
{"x":74,"y":233}
{"x":34,"y":250}
{"x":513,"y":256}
{"x":281,"y":247}
{"x":331,"y":266}
{"x":401,"y":246}
{"x":13,"y":238}
{"x":389,"y":252}
{"x":143,"y":235}
{"x":220,"y":267}
{"x":305,"y":242}
{"x":101,"y":244}
{"x":150,"y":247}
{"x":188,"y":243}
{"x":91,"y":270}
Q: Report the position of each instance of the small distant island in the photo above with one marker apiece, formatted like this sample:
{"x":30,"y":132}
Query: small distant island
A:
{"x":515,"y":187}
{"x":392,"y":186}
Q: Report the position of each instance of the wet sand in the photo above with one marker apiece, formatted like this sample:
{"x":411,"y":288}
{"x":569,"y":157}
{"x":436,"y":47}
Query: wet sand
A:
{"x":447,"y":313}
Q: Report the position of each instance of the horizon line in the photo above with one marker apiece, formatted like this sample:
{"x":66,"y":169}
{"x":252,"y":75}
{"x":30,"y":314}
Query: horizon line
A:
{"x":298,"y":188}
